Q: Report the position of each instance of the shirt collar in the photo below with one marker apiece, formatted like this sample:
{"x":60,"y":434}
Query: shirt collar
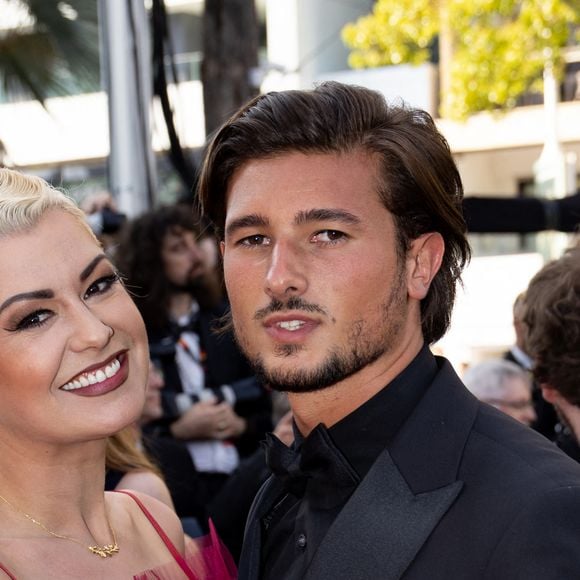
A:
{"x":363,"y":434}
{"x":522,"y":358}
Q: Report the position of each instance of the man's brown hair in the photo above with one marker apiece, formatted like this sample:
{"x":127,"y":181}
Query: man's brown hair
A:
{"x":420,"y":183}
{"x":552,"y":315}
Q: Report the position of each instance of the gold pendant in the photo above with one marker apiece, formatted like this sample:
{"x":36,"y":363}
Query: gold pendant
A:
{"x":106,"y":551}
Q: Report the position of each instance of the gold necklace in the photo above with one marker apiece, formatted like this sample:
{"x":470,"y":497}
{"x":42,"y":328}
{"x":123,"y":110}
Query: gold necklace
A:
{"x":106,"y":551}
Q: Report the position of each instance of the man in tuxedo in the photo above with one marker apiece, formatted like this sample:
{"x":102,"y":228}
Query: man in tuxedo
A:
{"x":342,"y":237}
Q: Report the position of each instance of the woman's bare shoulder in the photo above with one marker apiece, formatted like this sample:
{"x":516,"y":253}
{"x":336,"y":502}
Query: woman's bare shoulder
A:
{"x":148,"y":483}
{"x":163,"y":515}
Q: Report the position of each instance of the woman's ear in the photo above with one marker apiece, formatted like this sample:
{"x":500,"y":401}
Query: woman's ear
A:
{"x":423,"y":262}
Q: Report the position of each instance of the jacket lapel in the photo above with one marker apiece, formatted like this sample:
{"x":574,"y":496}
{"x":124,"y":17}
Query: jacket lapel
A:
{"x":250,"y":558}
{"x":406,"y":493}
{"x":400,"y":501}
{"x":383,"y":526}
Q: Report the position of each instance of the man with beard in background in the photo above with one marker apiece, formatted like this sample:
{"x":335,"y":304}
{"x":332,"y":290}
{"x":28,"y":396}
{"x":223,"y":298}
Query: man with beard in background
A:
{"x":212,"y":401}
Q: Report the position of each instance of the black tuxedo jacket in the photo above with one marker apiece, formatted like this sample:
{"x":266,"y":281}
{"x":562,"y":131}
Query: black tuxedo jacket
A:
{"x":462,"y":493}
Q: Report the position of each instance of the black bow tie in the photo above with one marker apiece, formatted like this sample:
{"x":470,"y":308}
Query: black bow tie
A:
{"x":317,"y":463}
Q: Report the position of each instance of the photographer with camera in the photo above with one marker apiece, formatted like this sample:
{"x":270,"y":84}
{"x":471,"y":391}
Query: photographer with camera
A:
{"x":212,"y":401}
{"x":103,"y":216}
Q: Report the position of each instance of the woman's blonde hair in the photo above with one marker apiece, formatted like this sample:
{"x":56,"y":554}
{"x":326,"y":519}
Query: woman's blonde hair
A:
{"x":24,"y":199}
{"x":125,"y":454}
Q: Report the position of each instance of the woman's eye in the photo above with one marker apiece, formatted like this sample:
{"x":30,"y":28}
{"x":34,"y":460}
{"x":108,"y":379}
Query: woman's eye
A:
{"x":102,"y":285}
{"x":328,"y":236}
{"x":34,"y":320}
{"x":256,"y":240}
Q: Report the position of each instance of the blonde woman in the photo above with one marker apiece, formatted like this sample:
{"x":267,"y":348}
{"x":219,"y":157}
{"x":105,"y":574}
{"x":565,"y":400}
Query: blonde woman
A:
{"x":73,"y":371}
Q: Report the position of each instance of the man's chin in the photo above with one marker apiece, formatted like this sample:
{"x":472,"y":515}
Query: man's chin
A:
{"x":298,"y":374}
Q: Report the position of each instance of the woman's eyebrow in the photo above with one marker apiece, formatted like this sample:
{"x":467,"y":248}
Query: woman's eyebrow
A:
{"x":91,"y":266}
{"x":46,"y":294}
{"x":34,"y":295}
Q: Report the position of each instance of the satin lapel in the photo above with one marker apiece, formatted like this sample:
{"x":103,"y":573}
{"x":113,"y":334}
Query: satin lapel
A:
{"x":381,"y":528}
{"x":406,"y":492}
{"x":249,"y":566}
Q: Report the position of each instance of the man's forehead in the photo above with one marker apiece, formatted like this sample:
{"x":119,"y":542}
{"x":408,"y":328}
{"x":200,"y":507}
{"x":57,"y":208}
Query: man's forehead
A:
{"x":303,"y":182}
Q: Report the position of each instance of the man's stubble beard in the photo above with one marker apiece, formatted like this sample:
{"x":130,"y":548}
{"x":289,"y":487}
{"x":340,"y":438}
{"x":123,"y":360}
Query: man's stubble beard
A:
{"x":365,"y":345}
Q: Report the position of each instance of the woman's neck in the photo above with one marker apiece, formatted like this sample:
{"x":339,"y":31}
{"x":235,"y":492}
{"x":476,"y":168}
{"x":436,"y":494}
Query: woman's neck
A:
{"x":63,"y":488}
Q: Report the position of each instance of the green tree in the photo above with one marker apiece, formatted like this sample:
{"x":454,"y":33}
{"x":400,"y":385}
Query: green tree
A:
{"x":52,"y":50}
{"x":491,"y":51}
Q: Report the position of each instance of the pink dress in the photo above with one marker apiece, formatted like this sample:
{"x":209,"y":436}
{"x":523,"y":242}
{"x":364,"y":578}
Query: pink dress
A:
{"x":205,"y":558}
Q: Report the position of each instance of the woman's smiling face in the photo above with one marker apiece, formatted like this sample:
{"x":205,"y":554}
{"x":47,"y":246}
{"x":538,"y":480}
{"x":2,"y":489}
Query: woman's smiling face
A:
{"x":73,"y":347}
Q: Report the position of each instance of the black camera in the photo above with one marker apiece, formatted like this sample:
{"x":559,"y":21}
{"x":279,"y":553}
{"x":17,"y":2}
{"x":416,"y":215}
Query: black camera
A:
{"x":106,"y":221}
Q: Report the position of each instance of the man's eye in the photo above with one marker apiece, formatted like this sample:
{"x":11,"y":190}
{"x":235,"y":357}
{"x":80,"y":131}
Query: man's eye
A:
{"x":328,"y":236}
{"x":33,"y":320}
{"x":256,"y":240}
{"x":102,"y":285}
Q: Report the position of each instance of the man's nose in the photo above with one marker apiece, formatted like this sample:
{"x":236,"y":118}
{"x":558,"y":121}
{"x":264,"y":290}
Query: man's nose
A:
{"x":285,"y":276}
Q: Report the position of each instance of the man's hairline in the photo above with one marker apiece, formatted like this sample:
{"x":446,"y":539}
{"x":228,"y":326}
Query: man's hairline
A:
{"x":380,"y":188}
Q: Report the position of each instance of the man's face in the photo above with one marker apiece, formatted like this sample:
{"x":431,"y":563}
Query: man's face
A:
{"x":316,"y":287}
{"x":517,"y":402}
{"x":182,"y":257}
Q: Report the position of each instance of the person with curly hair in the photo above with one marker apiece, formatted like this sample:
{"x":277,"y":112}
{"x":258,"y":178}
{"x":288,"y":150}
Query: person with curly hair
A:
{"x":552,"y":315}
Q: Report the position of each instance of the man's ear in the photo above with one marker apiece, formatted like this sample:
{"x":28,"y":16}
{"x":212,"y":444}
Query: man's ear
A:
{"x":423,"y":262}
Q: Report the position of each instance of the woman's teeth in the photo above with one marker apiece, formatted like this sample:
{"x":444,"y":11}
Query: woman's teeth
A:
{"x":94,"y":377}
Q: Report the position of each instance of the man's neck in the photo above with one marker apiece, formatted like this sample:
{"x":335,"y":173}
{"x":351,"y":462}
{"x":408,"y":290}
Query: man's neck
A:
{"x":328,"y":406}
{"x":180,"y":304}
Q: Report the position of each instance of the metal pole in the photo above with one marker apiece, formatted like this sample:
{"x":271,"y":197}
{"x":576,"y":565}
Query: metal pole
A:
{"x":126,"y":67}
{"x":550,"y":168}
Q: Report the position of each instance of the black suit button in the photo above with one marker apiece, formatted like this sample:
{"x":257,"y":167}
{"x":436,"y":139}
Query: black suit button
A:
{"x":301,"y":541}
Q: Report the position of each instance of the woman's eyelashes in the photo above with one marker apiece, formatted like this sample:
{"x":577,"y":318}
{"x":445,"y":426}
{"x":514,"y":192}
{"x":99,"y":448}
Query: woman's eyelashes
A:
{"x":40,"y":316}
{"x":32,"y":320}
{"x":102,"y":285}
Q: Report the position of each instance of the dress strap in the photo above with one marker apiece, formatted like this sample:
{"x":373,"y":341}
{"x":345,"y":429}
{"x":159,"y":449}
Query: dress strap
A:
{"x":7,"y":572}
{"x":170,"y":545}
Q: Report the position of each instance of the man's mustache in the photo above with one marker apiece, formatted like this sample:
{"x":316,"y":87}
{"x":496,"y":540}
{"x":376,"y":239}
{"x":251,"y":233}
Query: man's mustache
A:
{"x":293,"y":303}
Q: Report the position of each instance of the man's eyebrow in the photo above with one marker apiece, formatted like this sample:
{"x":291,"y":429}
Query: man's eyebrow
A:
{"x":246,"y":221}
{"x":91,"y":266}
{"x":34,"y":295}
{"x":318,"y":215}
